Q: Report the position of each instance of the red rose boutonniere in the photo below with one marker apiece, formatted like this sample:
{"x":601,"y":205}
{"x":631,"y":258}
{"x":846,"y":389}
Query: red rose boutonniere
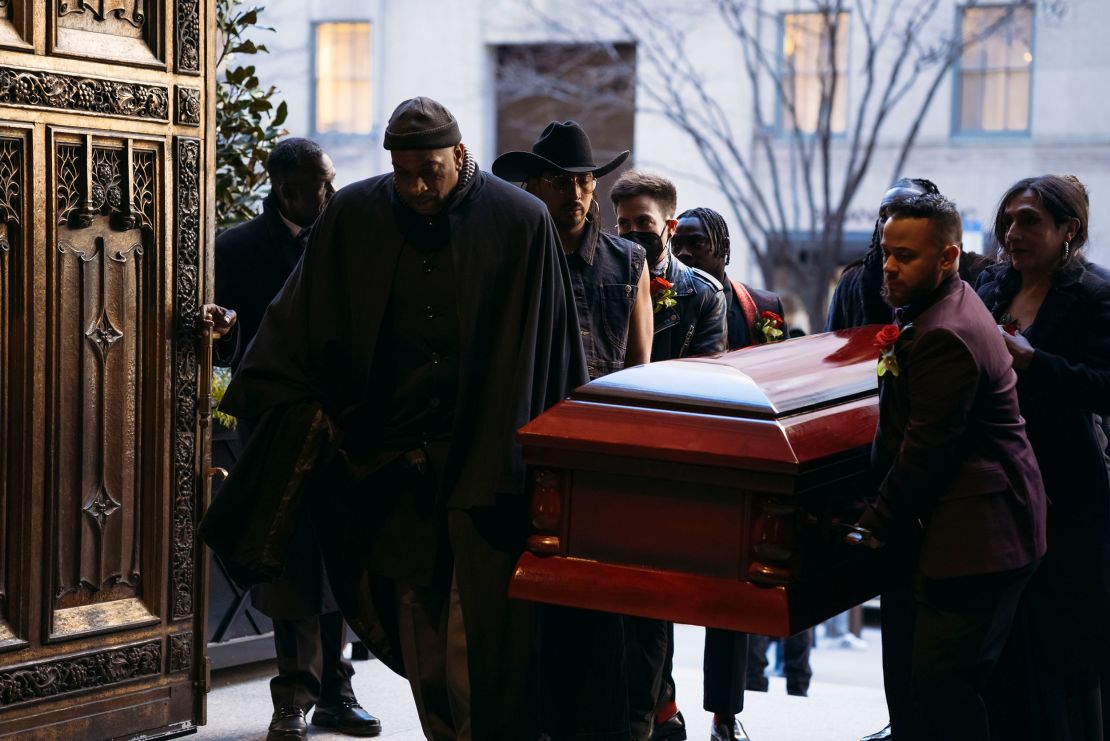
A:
{"x":662,"y":293}
{"x":885,"y":340}
{"x":769,"y":327}
{"x":1009,"y":325}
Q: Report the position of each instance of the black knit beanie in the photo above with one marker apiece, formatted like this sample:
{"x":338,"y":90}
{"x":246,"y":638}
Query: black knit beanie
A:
{"x":421,"y":123}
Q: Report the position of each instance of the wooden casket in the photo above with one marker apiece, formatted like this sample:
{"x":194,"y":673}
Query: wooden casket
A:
{"x":711,"y":491}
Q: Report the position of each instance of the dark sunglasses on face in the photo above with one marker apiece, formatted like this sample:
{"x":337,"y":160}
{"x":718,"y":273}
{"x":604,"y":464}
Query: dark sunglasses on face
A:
{"x":565,"y":183}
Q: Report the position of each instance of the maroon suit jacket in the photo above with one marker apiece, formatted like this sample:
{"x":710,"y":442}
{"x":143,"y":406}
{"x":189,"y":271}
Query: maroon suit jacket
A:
{"x":951,"y":448}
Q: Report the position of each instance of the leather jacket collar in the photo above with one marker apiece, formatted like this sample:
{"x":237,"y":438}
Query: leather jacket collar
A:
{"x":678,"y":273}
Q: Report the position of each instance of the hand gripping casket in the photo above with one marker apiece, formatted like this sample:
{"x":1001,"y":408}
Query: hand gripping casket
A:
{"x":712,"y":491}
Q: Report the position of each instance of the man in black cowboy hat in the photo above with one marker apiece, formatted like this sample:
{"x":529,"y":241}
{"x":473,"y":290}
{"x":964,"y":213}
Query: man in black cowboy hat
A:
{"x":607,"y":272}
{"x":428,"y":320}
{"x":583,"y":672}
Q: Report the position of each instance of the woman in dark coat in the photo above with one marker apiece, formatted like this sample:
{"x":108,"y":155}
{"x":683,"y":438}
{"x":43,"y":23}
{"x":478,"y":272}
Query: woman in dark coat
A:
{"x":1054,"y":308}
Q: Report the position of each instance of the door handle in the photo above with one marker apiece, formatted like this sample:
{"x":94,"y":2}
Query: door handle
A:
{"x":204,"y":393}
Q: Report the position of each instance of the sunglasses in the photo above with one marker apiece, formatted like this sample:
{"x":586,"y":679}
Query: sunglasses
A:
{"x":566,"y":183}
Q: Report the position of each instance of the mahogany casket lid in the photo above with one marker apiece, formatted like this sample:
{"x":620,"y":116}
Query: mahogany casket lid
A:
{"x":761,"y":382}
{"x":758,"y":408}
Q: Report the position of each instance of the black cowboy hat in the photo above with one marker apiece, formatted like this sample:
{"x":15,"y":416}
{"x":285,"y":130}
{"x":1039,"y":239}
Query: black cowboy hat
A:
{"x":562,"y":147}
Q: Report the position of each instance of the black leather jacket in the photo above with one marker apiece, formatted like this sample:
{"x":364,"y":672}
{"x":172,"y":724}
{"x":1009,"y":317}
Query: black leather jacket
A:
{"x":696,"y":325}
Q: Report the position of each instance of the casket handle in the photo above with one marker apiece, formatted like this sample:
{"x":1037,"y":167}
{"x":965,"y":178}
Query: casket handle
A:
{"x":767,"y":575}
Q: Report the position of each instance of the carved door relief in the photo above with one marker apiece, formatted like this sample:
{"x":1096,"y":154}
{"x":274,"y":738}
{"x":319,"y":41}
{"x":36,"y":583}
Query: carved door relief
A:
{"x":106,"y":230}
{"x":15,"y":24}
{"x":13,"y":173}
{"x":123,"y":30}
{"x":99,"y":375}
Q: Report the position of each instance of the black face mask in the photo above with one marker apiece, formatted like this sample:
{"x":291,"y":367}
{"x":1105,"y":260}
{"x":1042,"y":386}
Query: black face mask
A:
{"x":650,"y":241}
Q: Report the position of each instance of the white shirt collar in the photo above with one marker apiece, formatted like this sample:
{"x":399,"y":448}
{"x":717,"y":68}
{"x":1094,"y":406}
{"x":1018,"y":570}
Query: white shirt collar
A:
{"x":294,"y":229}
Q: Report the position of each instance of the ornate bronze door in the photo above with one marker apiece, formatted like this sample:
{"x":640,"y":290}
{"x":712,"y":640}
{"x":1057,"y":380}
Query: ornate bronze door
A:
{"x":105,"y":236}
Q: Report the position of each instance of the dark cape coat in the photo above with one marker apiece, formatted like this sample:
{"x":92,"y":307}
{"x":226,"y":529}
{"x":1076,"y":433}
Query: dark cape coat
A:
{"x":253,"y":261}
{"x":520,"y":353}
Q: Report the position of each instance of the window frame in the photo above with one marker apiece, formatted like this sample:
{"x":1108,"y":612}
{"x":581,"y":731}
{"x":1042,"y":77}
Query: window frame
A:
{"x":314,"y":79}
{"x":956,"y":131}
{"x":780,"y":106}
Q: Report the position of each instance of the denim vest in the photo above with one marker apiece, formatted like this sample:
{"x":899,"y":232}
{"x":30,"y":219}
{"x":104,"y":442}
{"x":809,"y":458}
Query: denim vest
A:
{"x":604,"y":273}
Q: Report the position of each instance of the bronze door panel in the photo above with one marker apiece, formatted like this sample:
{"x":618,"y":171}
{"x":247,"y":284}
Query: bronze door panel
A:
{"x":13,"y":186}
{"x":101,"y":372}
{"x":106,"y":230}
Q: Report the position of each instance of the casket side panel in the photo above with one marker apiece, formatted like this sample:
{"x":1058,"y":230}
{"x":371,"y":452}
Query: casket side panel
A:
{"x":660,"y":523}
{"x":714,"y":491}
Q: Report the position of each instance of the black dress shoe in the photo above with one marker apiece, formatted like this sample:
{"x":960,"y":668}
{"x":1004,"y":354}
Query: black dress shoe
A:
{"x":673,"y":729}
{"x":347,"y":716}
{"x":728,"y":729}
{"x":287,"y":724}
{"x":883,"y":735}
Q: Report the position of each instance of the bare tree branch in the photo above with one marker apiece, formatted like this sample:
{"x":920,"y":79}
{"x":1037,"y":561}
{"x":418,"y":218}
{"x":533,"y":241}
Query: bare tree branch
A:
{"x":806,"y":159}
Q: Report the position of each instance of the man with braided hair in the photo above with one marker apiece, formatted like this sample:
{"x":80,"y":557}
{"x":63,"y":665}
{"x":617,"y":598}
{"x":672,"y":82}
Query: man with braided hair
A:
{"x":701,"y":241}
{"x":857,"y":299}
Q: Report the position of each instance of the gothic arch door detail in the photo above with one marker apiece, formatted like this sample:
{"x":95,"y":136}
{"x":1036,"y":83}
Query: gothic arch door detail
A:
{"x":105,"y":239}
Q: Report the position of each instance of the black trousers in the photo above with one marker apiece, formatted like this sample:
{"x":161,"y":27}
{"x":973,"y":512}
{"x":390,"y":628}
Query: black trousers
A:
{"x":724,"y":671}
{"x":311,"y":667}
{"x":647,"y":642}
{"x":795,"y":662}
{"x":724,"y":668}
{"x":941,"y":641}
{"x":584,"y":676}
{"x":498,"y":702}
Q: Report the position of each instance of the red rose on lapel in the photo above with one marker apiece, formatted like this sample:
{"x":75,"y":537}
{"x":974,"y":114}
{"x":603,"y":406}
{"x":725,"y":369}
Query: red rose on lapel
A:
{"x":887,"y":336}
{"x":662,"y":293}
{"x":885,"y":339}
{"x":768,"y":327}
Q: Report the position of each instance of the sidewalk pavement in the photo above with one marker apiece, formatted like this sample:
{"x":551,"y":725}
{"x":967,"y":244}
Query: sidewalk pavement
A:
{"x":845,"y":699}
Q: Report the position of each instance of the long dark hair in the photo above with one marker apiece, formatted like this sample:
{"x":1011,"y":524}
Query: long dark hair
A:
{"x":1063,"y":196}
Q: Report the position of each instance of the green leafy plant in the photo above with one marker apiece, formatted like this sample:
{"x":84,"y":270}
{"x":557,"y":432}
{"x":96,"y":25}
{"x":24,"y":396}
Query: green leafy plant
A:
{"x":221,"y":377}
{"x":248,"y":116}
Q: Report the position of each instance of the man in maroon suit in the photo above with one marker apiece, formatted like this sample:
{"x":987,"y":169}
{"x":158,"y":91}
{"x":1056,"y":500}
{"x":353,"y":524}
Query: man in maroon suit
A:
{"x":961,"y":505}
